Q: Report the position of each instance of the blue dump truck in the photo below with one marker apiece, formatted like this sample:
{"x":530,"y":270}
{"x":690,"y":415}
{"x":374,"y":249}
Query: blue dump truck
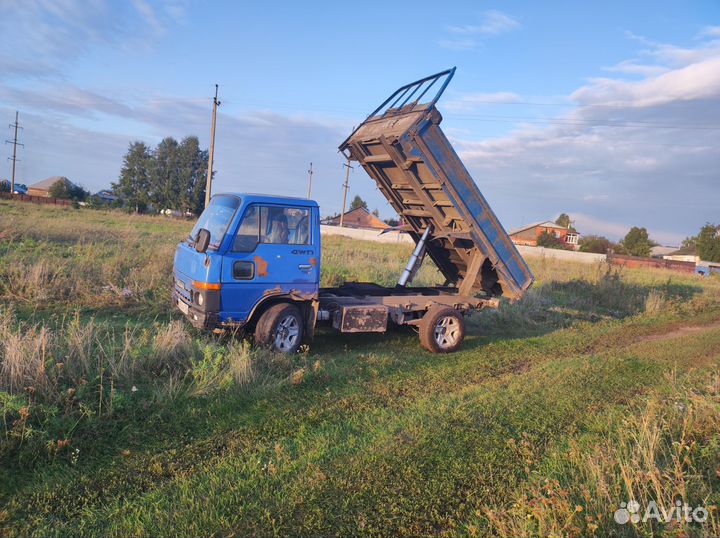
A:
{"x":252,"y":262}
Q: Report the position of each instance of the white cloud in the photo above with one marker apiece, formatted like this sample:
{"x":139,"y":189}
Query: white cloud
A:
{"x":65,"y":98}
{"x":40,"y":37}
{"x":673,"y":55}
{"x":695,"y":81}
{"x":457,"y":44}
{"x":492,"y":23}
{"x":147,"y":12}
{"x":632,"y":67}
{"x":467,"y":36}
{"x":710,"y":31}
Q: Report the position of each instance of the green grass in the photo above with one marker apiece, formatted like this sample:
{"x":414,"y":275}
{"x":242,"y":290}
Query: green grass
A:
{"x":559,"y":407}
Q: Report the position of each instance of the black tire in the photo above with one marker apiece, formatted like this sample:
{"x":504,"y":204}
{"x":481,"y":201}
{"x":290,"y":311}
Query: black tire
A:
{"x":280,"y":328}
{"x":442,"y":330}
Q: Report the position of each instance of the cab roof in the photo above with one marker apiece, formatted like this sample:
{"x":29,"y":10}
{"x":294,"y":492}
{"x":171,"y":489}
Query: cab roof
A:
{"x":269,"y":198}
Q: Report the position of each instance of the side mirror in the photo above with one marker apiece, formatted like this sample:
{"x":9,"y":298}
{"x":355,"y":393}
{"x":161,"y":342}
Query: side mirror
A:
{"x":202,"y":240}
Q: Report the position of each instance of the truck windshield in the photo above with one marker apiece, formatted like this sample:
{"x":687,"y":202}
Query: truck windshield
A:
{"x":216,"y":219}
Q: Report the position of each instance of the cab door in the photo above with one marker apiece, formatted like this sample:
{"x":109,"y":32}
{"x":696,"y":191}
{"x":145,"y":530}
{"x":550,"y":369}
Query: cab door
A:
{"x":273,"y":252}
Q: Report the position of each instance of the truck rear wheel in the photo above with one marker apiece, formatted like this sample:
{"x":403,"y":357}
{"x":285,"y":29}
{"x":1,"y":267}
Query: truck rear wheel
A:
{"x":442,"y":330}
{"x":280,"y":328}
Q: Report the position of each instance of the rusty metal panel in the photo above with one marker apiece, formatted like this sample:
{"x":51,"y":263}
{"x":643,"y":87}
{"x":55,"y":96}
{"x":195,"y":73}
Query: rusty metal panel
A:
{"x":401,"y":146}
{"x":362,"y":319}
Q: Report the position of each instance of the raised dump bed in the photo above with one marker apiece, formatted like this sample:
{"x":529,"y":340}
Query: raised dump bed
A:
{"x":401,"y":146}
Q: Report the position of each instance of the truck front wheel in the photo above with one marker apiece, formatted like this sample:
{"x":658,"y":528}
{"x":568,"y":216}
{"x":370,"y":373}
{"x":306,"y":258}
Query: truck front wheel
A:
{"x":442,"y":330}
{"x":280,"y":328}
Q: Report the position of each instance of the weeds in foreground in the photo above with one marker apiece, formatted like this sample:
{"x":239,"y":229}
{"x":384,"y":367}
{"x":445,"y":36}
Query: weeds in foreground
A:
{"x":52,"y":380}
{"x":667,"y":451}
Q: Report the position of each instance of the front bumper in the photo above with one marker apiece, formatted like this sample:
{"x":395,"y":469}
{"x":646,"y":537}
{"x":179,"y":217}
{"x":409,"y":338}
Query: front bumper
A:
{"x":200,"y":317}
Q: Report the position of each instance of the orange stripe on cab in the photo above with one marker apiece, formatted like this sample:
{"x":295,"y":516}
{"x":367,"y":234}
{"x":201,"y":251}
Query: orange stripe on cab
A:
{"x":206,"y":285}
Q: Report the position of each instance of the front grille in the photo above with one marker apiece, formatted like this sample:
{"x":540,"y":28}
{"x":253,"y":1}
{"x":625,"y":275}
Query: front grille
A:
{"x":182,"y":291}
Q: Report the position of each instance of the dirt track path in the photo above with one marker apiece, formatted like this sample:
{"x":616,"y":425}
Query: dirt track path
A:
{"x":680,"y":331}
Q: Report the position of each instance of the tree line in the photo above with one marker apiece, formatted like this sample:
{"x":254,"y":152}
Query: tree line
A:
{"x":169,"y":176}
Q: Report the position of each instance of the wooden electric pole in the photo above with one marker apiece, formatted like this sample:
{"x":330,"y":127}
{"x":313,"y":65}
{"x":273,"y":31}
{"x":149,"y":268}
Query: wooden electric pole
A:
{"x":310,"y":172}
{"x":346,"y":186}
{"x":208,"y":186}
{"x":15,"y":144}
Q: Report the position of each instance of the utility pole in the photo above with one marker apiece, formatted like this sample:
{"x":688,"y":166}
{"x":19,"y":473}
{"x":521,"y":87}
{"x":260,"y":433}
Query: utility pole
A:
{"x":310,"y":172}
{"x":346,"y":186}
{"x":208,"y":186}
{"x":15,"y":144}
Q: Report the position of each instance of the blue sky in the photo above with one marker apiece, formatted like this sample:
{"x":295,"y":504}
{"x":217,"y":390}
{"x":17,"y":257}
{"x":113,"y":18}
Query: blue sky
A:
{"x":608,"y":111}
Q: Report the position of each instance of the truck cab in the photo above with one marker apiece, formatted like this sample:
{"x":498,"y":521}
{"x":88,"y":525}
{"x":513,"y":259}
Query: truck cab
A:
{"x":246,"y":254}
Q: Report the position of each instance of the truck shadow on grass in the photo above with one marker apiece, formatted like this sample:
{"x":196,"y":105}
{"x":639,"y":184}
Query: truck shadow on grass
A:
{"x":544,"y":309}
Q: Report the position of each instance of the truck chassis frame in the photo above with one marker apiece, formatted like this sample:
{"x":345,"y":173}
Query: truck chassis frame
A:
{"x":367,"y":307}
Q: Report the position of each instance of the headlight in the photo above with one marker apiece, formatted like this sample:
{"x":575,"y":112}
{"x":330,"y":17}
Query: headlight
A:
{"x":200,"y":299}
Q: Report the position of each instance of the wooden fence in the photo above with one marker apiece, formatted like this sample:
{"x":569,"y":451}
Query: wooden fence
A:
{"x":35,"y":199}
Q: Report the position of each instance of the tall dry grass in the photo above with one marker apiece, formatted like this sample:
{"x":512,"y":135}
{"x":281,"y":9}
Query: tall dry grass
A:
{"x":666,"y":451}
{"x":85,"y":258}
{"x":54,"y":378}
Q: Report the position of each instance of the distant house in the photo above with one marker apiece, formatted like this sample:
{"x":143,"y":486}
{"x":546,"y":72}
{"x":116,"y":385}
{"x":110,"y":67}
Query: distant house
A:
{"x":684,"y":254}
{"x":358,"y":218}
{"x":659,"y":251}
{"x":42,"y":188}
{"x":107,"y":196}
{"x":528,"y":235}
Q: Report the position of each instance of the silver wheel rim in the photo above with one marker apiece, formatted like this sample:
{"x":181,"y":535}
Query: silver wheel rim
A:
{"x":287,"y":333}
{"x":447,"y":332}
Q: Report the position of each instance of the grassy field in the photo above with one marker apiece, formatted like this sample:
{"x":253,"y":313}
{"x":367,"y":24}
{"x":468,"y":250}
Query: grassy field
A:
{"x":119,"y":419}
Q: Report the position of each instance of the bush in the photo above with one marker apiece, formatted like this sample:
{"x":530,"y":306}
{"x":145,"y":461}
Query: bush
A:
{"x":595,"y":243}
{"x":637,"y":242}
{"x":708,"y":243}
{"x":64,"y":189}
{"x":548,"y":240}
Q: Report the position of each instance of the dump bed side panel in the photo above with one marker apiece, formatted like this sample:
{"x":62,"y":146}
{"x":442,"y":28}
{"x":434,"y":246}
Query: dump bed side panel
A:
{"x":418,"y":171}
{"x":428,"y":143}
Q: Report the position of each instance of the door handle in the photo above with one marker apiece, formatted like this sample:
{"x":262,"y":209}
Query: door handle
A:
{"x":305,"y":267}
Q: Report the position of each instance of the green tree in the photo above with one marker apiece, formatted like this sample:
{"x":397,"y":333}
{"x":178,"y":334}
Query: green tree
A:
{"x":358,"y":202}
{"x":165,"y":189}
{"x":637,"y":242}
{"x":548,"y":240}
{"x":5,"y":185}
{"x":134,"y":182}
{"x":689,"y":242}
{"x":595,"y":243}
{"x":64,"y":189}
{"x":564,"y":221}
{"x":192,"y":175}
{"x":708,"y":243}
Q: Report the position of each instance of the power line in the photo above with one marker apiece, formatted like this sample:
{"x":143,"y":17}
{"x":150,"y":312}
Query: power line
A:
{"x":577,"y":122}
{"x":15,"y":144}
{"x":557,"y":105}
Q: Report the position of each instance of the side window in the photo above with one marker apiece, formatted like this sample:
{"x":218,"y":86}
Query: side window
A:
{"x":249,"y":231}
{"x":284,"y":225}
